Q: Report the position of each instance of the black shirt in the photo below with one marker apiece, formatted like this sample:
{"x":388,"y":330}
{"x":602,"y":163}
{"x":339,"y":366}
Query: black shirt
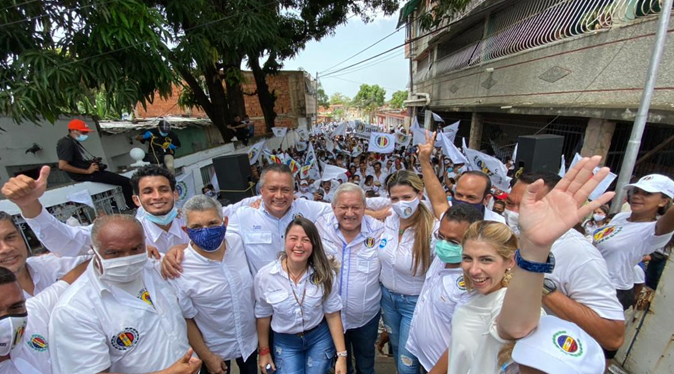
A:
{"x":158,"y":146}
{"x":71,"y":151}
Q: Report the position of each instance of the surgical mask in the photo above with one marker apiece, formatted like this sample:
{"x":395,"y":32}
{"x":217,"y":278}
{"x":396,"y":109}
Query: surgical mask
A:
{"x":448,"y":252}
{"x":479,"y":206}
{"x":304,"y":188}
{"x":208,"y":238}
{"x":598,"y":217}
{"x":163,"y":133}
{"x":163,"y":220}
{"x":449,"y":199}
{"x":82,"y":138}
{"x":449,"y":170}
{"x":121,"y":269}
{"x":12,"y":328}
{"x":405,"y":209}
{"x":512,"y":220}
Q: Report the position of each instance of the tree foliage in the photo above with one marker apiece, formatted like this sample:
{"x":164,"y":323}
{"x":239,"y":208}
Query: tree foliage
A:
{"x":323,"y":99}
{"x":397,"y":99}
{"x":338,"y":98}
{"x":440,"y":11}
{"x":369,"y":98}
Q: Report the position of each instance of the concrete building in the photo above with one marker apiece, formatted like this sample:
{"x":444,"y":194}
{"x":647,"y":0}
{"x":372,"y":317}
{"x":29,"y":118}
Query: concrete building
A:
{"x":389,"y":119}
{"x":575,"y":68}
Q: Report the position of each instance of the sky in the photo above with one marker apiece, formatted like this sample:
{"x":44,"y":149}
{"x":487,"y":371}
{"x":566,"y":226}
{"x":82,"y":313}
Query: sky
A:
{"x":390,"y":71}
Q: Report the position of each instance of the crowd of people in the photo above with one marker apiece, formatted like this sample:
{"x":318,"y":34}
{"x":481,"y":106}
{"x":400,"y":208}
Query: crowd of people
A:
{"x":464,"y":277}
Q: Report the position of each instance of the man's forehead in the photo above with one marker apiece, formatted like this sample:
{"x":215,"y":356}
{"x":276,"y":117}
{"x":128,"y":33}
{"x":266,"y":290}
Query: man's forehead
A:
{"x":471,"y":181}
{"x":11,"y":294}
{"x":7,"y":227}
{"x":153,"y":181}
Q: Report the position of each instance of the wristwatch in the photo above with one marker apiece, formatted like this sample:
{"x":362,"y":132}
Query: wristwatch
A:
{"x":535,"y":267}
{"x":341,"y":354}
{"x":548,"y":286}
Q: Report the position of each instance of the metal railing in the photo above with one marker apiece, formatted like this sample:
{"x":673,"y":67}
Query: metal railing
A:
{"x":529,"y":24}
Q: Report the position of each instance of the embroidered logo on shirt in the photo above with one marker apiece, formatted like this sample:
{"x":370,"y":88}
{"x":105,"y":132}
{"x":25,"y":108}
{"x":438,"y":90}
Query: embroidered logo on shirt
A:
{"x":257,"y":227}
{"x":125,"y":339}
{"x":605,"y":233}
{"x":382,"y":243}
{"x":38,"y":343}
{"x":461,"y":283}
{"x":369,"y":242}
{"x":145,"y":296}
{"x":567,"y":344}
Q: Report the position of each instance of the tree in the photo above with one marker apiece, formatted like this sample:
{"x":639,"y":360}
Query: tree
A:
{"x":323,"y":99}
{"x":337,"y":99}
{"x":397,"y":99}
{"x":369,"y":98}
{"x":441,"y":10}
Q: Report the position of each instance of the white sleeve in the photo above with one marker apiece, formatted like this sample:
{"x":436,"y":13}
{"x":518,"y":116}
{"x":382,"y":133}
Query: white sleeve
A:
{"x":262,"y":307}
{"x":43,"y":303}
{"x":232,"y":208}
{"x":59,"y":238}
{"x":656,"y":242}
{"x":377,"y":203}
{"x":77,"y":343}
{"x":333,"y":303}
{"x":185,"y":302}
{"x":591,"y":286}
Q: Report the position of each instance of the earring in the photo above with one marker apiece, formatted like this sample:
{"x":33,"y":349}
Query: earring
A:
{"x":507,"y":277}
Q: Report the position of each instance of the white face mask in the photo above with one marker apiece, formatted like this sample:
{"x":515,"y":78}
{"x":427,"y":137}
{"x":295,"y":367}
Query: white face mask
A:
{"x":405,"y":209}
{"x":513,"y":221}
{"x":598,"y":217}
{"x":122,"y":269}
{"x":11,"y":332}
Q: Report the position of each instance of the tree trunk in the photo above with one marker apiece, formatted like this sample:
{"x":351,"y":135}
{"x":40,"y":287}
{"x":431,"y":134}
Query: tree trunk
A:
{"x":267,"y":99}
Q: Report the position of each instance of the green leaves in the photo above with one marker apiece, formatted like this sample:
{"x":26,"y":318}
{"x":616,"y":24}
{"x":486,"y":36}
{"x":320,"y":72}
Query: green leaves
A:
{"x":397,"y":99}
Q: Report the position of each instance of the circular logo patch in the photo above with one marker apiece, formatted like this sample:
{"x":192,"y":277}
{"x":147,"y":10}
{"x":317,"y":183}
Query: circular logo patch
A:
{"x":145,"y":296}
{"x":381,"y":141}
{"x":461,"y":283}
{"x":125,"y":339}
{"x":382,"y":244}
{"x":181,"y":188}
{"x":567,"y":344}
{"x":369,"y":242}
{"x":38,"y":343}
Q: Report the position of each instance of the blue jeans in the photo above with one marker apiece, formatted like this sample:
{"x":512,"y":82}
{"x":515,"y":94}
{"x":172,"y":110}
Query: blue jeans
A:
{"x":312,"y":353}
{"x":360,"y":345}
{"x":397,"y":312}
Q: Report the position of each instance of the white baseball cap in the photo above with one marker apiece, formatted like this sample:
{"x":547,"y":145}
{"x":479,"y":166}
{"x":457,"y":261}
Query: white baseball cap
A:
{"x":654,"y":183}
{"x":559,"y":347}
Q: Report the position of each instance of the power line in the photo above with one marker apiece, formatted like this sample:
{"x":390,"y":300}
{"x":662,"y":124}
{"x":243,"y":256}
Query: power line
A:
{"x":20,"y":4}
{"x":366,"y":66}
{"x":349,"y":80}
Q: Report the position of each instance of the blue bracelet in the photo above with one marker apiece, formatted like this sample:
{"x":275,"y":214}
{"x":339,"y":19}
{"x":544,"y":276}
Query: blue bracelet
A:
{"x":535,"y":267}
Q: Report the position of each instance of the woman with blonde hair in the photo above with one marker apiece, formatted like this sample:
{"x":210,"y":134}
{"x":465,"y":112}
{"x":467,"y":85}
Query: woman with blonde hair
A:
{"x":405,"y":254}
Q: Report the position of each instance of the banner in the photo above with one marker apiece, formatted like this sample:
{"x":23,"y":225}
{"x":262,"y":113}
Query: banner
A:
{"x":255,"y":151}
{"x":403,"y":140}
{"x":489,"y":165}
{"x":184,"y":188}
{"x":363,"y":130}
{"x":279,"y":132}
{"x":381,"y":142}
{"x":82,"y":197}
{"x":450,"y":150}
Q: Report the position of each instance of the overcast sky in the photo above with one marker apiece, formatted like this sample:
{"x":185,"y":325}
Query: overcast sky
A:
{"x":390,"y":71}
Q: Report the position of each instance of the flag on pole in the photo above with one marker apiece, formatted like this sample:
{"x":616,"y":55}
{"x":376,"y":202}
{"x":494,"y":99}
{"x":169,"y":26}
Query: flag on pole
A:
{"x":451,"y":130}
{"x":339,"y":131}
{"x":450,"y":150}
{"x":575,"y":160}
{"x":489,"y":165}
{"x":255,"y":151}
{"x":184,"y":188}
{"x":293,"y":165}
{"x":82,"y":197}
{"x":311,"y":156}
{"x":331,"y":172}
{"x":301,"y":146}
{"x":514,"y":156}
{"x":403,"y":140}
{"x":437,"y":118}
{"x":381,"y":142}
{"x":357,"y":150}
{"x":279,"y":132}
{"x":602,"y":186}
{"x":274,"y":159}
{"x":304,"y":135}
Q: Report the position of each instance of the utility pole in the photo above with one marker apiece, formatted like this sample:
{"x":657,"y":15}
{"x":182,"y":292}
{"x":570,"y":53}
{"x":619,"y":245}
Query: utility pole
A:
{"x":634,"y":143}
{"x":316,"y":94}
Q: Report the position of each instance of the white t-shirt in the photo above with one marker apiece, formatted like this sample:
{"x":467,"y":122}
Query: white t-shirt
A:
{"x":623,"y":244}
{"x":639,"y":275}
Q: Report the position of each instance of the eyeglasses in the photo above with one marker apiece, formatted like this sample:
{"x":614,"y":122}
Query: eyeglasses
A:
{"x":439,"y":236}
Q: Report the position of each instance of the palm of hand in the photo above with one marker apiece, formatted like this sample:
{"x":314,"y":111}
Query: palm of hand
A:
{"x":545,"y":220}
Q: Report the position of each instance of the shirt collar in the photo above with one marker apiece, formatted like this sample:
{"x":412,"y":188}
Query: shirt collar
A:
{"x":278,"y":268}
{"x":153,"y":231}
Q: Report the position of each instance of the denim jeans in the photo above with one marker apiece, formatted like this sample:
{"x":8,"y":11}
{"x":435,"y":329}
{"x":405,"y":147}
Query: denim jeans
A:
{"x":245,"y":367}
{"x":312,"y":353}
{"x":360,"y":347}
{"x":397,"y":312}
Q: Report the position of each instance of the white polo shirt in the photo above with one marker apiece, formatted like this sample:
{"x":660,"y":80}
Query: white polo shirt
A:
{"x":493,"y":216}
{"x":32,"y":356}
{"x":263,"y":234}
{"x":623,"y":244}
{"x":581,"y":274}
{"x":218,"y":295}
{"x":358,"y":278}
{"x":97,"y":326}
{"x":431,"y":329}
{"x":397,"y":274}
{"x":47,"y":269}
{"x":274,"y":296}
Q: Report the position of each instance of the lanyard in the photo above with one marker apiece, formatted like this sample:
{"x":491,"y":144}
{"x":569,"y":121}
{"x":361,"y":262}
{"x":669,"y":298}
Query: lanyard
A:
{"x":297,"y":299}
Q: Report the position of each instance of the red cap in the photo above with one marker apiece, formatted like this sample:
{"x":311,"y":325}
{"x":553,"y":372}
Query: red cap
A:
{"x":79,"y":125}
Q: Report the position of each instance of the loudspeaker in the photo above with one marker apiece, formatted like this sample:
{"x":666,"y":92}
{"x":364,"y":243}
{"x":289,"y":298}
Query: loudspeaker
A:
{"x":233,"y":173}
{"x":539,"y":153}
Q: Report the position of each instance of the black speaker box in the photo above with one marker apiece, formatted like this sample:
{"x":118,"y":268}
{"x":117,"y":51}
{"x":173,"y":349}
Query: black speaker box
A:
{"x":233,"y":173}
{"x":539,"y":153}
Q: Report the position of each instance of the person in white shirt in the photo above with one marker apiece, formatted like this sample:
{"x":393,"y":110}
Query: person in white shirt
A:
{"x":34,"y":273}
{"x":630,"y":236}
{"x":405,"y":253}
{"x":297,"y":297}
{"x":326,"y":186}
{"x":599,"y":219}
{"x":24,"y":343}
{"x":304,"y":192}
{"x":379,"y":173}
{"x":121,"y":316}
{"x":351,"y":238}
{"x":215,"y":290}
{"x":443,"y":291}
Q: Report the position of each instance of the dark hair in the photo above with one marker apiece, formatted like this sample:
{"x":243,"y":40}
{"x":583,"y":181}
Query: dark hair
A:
{"x":6,"y":276}
{"x":151,"y":171}
{"x":500,"y":202}
{"x":277,"y":168}
{"x":323,"y":270}
{"x":462,"y":213}
{"x":4,"y":216}
{"x":549,"y":179}
{"x":487,"y":189}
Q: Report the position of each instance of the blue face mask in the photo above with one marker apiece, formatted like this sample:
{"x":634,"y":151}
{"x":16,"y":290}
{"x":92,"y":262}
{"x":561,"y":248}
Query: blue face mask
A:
{"x":163,"y":133}
{"x":82,"y":138}
{"x":209,"y":238}
{"x":163,"y":220}
{"x":448,"y":252}
{"x":479,"y":206}
{"x":449,"y":170}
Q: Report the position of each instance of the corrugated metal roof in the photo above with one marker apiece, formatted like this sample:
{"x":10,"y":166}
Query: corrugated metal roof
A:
{"x":118,"y":127}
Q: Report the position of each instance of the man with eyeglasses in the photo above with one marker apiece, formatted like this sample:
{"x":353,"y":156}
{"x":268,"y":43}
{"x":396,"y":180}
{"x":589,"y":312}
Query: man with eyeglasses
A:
{"x":444,"y":290}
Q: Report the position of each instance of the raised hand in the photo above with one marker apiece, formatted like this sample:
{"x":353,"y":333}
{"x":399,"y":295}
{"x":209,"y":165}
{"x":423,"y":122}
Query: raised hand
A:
{"x":25,"y":191}
{"x":425,"y":150}
{"x":185,"y":365}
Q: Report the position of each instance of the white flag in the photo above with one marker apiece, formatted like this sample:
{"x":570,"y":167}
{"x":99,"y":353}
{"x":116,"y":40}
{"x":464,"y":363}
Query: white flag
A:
{"x":403,"y":140}
{"x":357,"y":150}
{"x":340,"y":130}
{"x":602,"y":186}
{"x":82,"y":197}
{"x":562,"y":168}
{"x":415,"y":123}
{"x":301,"y":146}
{"x":575,"y":160}
{"x":279,"y":132}
{"x":214,"y":182}
{"x":418,"y":136}
{"x":304,"y":134}
{"x":381,"y":142}
{"x":451,"y":130}
{"x":489,"y":165}
{"x":450,"y":150}
{"x":329,"y":145}
{"x":514,"y":156}
{"x":331,"y":172}
{"x":255,"y":151}
{"x":437,"y":118}
{"x":184,"y":188}
{"x":311,"y":156}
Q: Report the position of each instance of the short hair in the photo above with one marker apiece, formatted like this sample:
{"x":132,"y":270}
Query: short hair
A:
{"x":101,"y":222}
{"x":487,"y":190}
{"x":6,"y":276}
{"x":277,"y":168}
{"x":345,"y":188}
{"x":4,"y":216}
{"x":549,"y":179}
{"x":500,"y":202}
{"x":462,"y":213}
{"x":151,"y":171}
{"x":201,"y":203}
